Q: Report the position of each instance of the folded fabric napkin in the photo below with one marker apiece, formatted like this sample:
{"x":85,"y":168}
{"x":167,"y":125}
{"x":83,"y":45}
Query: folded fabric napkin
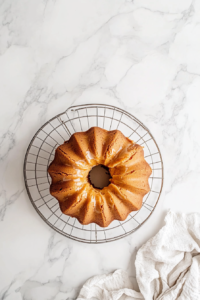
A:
{"x":167,"y":266}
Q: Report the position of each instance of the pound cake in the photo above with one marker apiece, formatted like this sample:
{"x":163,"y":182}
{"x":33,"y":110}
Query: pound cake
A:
{"x":72,"y":187}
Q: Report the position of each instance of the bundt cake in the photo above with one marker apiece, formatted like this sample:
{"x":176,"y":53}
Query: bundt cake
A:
{"x":71,"y":186}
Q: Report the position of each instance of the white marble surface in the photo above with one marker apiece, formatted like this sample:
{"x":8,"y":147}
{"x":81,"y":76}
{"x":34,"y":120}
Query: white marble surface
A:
{"x":141,"y":55}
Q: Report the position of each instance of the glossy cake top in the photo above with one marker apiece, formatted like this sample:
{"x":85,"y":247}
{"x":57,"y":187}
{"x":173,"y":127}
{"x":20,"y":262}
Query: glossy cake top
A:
{"x":74,"y":160}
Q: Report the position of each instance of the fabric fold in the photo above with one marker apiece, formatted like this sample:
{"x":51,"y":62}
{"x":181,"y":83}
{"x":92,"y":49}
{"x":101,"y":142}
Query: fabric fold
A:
{"x":112,"y":286}
{"x":167,"y":266}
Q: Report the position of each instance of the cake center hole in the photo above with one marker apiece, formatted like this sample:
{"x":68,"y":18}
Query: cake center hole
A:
{"x":99,"y":176}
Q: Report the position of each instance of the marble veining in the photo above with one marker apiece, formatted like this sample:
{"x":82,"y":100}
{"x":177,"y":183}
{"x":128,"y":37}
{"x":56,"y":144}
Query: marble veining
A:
{"x":142,"y":56}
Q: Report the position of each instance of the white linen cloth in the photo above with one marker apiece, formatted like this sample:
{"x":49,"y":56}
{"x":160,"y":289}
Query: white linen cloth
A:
{"x":167,"y":266}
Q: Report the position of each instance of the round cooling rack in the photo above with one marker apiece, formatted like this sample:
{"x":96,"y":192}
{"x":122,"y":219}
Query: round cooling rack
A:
{"x":41,"y":151}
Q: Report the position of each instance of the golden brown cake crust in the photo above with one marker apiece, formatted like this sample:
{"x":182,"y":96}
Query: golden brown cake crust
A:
{"x":76,"y":157}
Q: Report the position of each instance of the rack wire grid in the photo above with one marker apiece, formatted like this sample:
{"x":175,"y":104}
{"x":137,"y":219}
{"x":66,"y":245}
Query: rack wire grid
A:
{"x":41,"y":151}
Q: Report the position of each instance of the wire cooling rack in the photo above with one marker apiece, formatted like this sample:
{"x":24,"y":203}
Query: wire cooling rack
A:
{"x":41,"y":151}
